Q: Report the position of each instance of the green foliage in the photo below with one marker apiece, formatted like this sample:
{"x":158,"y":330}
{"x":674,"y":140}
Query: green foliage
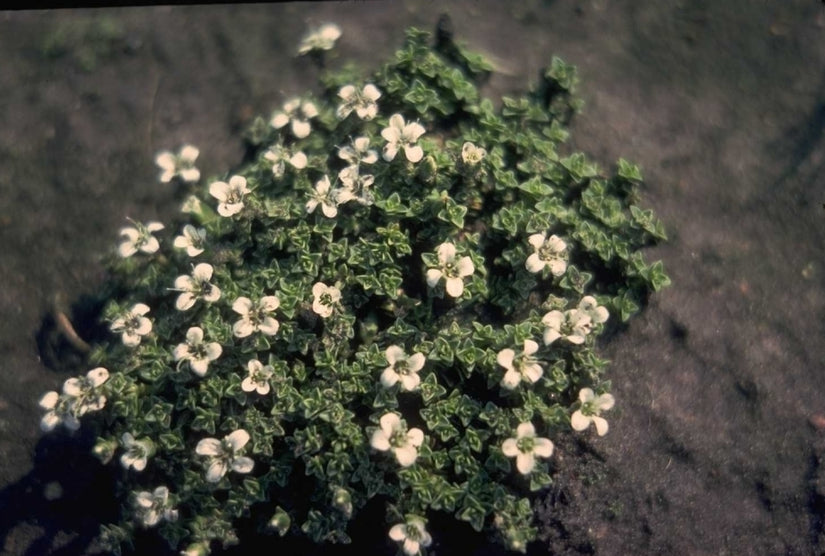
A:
{"x":415,"y":288}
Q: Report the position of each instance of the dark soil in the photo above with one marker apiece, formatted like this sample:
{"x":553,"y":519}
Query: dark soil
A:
{"x":717,"y":443}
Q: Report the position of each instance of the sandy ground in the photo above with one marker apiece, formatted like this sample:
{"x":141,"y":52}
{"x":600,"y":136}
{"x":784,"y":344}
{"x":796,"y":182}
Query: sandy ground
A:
{"x":717,"y":443}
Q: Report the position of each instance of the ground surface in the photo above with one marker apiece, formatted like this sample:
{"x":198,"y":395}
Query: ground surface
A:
{"x":713,"y":447}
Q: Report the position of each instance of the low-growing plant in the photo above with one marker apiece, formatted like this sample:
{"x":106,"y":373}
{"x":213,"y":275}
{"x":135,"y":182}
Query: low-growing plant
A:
{"x":397,"y":295}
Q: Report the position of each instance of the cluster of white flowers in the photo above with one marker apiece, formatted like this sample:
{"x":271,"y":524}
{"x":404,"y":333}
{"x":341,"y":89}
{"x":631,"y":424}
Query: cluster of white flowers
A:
{"x":153,"y":507}
{"x":139,"y":238}
{"x":453,"y":271}
{"x":80,"y":396}
{"x":197,"y":352}
{"x":222,"y":455}
{"x":392,"y":435}
{"x":525,"y":447}
{"x":180,"y":165}
{"x":298,"y":113}
{"x":132,"y":325}
{"x":412,"y":535}
{"x":322,"y":38}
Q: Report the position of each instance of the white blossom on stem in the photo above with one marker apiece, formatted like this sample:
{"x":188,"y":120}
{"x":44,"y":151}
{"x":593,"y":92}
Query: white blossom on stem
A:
{"x":139,"y":238}
{"x":359,"y":153}
{"x":590,"y":411}
{"x":520,"y":367}
{"x":402,"y":135}
{"x":132,"y":325}
{"x":279,"y":155}
{"x":393,"y":435}
{"x":355,"y":187}
{"x":179,"y":165}
{"x":322,"y":38}
{"x":325,"y":197}
{"x":324,"y":299}
{"x":256,"y":316}
{"x":453,"y":271}
{"x":525,"y":447}
{"x":548,"y":252}
{"x":472,"y":155}
{"x":197,"y":352}
{"x":192,"y":239}
{"x":153,"y":507}
{"x":230,"y":195}
{"x":136,"y":452}
{"x":298,"y":113}
{"x":363,"y":102}
{"x":573,"y":325}
{"x":412,"y":535}
{"x":197,"y":286}
{"x":597,"y":313}
{"x":257,"y":379}
{"x":402,"y":368}
{"x":222,"y":455}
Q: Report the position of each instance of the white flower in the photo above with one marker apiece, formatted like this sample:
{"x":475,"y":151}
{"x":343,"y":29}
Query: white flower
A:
{"x":255,"y":316}
{"x":551,"y":252}
{"x":325,"y":298}
{"x":360,"y":152}
{"x":525,"y":447}
{"x":299,"y":113}
{"x":139,"y":238}
{"x":59,"y":409}
{"x":279,"y":155}
{"x":132,"y":325}
{"x":472,"y":155}
{"x":192,"y":239}
{"x":324,"y":197}
{"x":573,"y":325}
{"x":229,"y":194}
{"x":451,"y":270}
{"x":355,"y":186}
{"x":136,"y":452}
{"x":590,"y":411}
{"x":191,"y":205}
{"x":196,"y":549}
{"x":85,"y":393}
{"x":181,"y":164}
{"x":153,"y":507}
{"x":402,"y":368}
{"x":196,"y":351}
{"x":412,"y":534}
{"x":258,"y":378}
{"x":589,"y":306}
{"x":322,"y":38}
{"x":196,"y":286}
{"x":523,"y":367}
{"x":223,"y":455}
{"x":401,"y":135}
{"x":363,"y":102}
{"x":393,"y":435}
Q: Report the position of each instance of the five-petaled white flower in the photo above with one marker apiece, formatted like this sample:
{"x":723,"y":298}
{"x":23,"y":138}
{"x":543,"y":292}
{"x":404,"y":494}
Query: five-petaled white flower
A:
{"x":192,"y":239}
{"x":256,"y":317}
{"x":549,"y":251}
{"x":258,"y":377}
{"x":472,"y":155}
{"x":525,"y":447}
{"x":153,"y":507}
{"x":393,"y":435}
{"x":223,"y":455}
{"x":412,"y":535}
{"x":324,"y":196}
{"x":299,"y":113}
{"x":179,"y":165}
{"x":230,"y":195}
{"x":403,"y":368}
{"x":136,"y":451}
{"x":279,"y":155}
{"x":324,"y":299}
{"x":590,"y":411}
{"x":196,"y":351}
{"x":363,"y":102}
{"x":573,"y":325}
{"x":592,"y":309}
{"x":133,"y":325}
{"x":197,"y":286}
{"x":523,"y":367}
{"x":360,"y":152}
{"x":401,"y":135}
{"x":322,"y":38}
{"x":451,"y":270}
{"x":355,"y":186}
{"x":139,"y":238}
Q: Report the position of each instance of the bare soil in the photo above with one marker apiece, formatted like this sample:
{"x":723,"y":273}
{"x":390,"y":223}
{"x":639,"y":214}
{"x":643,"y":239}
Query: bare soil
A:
{"x":717,"y":442}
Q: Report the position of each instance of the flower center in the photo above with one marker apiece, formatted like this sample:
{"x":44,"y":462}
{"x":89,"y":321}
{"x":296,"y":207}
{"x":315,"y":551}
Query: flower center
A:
{"x":398,"y":438}
{"x":413,"y":533}
{"x":451,"y":269}
{"x":526,"y":444}
{"x":325,"y":298}
{"x":402,"y":367}
{"x":547,"y":253}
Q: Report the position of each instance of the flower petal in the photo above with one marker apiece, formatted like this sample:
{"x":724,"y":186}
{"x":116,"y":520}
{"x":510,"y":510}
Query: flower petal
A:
{"x":242,"y":464}
{"x":398,"y":532}
{"x":415,"y":437}
{"x":209,"y":447}
{"x":510,"y":448}
{"x":579,"y":421}
{"x":505,"y":358}
{"x":525,"y":430}
{"x":380,"y":441}
{"x":414,"y":153}
{"x":601,"y":425}
{"x":454,"y":287}
{"x":238,"y":439}
{"x":390,"y":422}
{"x":242,"y":306}
{"x":534,"y":263}
{"x":217,"y":469}
{"x":406,"y":455}
{"x":543,"y":447}
{"x":525,"y":462}
{"x":389,"y":377}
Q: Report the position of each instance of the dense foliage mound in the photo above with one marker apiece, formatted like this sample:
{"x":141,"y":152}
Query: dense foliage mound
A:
{"x":396,"y":295}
